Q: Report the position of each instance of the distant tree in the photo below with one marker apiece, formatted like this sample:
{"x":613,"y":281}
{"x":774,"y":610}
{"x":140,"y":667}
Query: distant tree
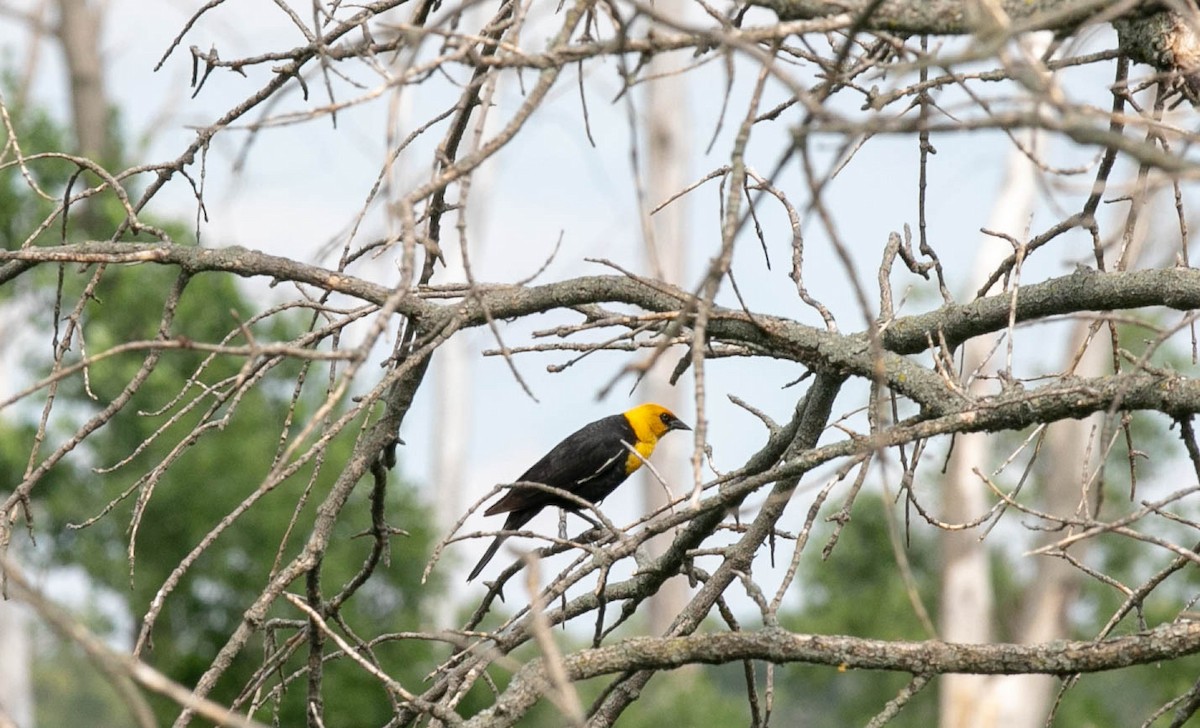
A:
{"x":206,"y":485}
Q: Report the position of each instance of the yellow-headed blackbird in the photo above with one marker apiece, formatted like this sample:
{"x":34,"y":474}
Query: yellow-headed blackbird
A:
{"x":590,"y":463}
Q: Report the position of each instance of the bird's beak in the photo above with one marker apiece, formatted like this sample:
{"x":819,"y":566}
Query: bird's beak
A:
{"x":677,"y":424}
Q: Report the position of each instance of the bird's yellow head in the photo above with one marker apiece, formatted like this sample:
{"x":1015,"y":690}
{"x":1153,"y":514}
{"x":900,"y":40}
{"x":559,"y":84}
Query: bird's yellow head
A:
{"x":651,"y":421}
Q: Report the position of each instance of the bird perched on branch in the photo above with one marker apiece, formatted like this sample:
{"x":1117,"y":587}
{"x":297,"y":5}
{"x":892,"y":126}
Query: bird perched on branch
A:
{"x":590,"y":464}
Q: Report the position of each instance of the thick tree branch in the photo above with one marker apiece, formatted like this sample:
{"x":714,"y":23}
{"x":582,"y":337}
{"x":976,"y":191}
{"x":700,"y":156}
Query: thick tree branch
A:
{"x":1084,"y":290}
{"x":942,"y":17}
{"x":781,"y":647}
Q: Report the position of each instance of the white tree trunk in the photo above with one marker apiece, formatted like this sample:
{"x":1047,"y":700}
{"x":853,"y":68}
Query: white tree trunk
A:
{"x":16,"y":685}
{"x":667,"y":142}
{"x":966,"y":611}
{"x":452,"y":428}
{"x":1023,"y":701}
{"x":79,"y":29}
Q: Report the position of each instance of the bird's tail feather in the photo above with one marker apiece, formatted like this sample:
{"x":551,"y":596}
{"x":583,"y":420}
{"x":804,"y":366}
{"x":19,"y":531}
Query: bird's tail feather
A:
{"x":487,"y":556}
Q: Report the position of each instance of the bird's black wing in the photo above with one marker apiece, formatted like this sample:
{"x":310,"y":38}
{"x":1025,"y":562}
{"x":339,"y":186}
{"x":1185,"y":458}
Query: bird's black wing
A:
{"x":593,"y":452}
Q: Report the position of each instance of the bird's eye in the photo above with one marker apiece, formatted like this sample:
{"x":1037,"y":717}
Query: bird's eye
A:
{"x":666,"y":418}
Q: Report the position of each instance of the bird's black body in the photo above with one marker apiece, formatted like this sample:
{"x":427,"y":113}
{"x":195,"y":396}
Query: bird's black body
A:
{"x":589,"y":463}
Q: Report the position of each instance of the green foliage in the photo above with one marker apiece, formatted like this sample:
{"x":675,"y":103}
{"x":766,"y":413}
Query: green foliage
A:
{"x":209,"y":480}
{"x":220,"y":467}
{"x":21,"y":208}
{"x":857,"y":591}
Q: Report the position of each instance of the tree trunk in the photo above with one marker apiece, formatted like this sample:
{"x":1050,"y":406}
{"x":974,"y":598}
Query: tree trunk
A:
{"x":16,"y":689}
{"x":79,"y":28}
{"x":966,"y":611}
{"x":666,"y":174}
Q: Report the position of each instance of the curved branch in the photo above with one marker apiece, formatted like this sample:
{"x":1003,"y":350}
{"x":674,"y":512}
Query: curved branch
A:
{"x":1083,"y":290}
{"x":780,"y":647}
